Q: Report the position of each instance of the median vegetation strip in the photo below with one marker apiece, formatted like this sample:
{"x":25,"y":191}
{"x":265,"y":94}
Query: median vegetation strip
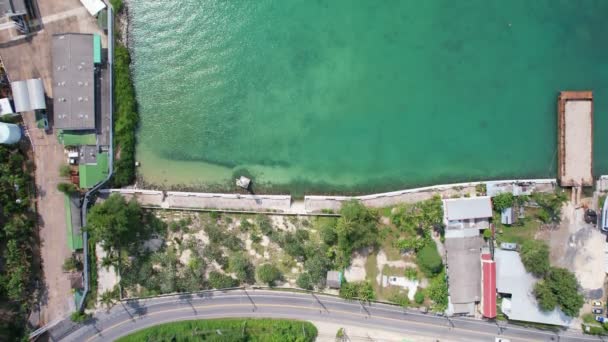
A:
{"x":228,"y":330}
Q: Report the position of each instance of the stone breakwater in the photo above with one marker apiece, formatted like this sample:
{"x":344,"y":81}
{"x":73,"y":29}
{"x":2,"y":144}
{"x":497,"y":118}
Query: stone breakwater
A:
{"x":312,"y":205}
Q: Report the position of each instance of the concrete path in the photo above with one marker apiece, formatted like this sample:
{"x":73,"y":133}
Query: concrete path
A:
{"x":31,"y":58}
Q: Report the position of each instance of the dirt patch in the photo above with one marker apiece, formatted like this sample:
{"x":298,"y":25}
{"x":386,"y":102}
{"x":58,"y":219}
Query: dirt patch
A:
{"x":579,"y":247}
{"x":356,"y":271}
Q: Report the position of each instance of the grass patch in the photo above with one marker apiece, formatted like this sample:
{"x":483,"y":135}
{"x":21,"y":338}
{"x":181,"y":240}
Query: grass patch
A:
{"x":519,"y":233}
{"x":228,"y":330}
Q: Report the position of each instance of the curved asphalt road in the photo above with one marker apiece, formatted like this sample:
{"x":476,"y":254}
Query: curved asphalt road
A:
{"x":127,"y":317}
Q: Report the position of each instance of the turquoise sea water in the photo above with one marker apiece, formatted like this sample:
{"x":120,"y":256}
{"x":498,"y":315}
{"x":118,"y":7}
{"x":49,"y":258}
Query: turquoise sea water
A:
{"x":354,"y":95}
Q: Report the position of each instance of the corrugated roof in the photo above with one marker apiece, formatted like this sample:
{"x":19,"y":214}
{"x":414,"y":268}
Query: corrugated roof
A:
{"x":512,"y":278}
{"x":488,"y":276}
{"x":464,"y":269}
{"x":467,"y":208}
{"x":73,"y":81}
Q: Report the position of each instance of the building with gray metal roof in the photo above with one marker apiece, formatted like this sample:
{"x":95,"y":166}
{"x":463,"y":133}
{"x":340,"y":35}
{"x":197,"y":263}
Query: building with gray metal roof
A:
{"x":513,"y":280}
{"x":467,"y":208}
{"x":464,"y":217}
{"x":73,"y":81}
{"x":464,"y":274}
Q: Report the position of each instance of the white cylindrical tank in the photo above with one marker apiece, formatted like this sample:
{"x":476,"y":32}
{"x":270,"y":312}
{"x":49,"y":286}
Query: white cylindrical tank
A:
{"x":9,"y":133}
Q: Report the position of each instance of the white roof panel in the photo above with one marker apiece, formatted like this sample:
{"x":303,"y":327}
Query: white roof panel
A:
{"x":21,"y":96}
{"x":6,"y":107}
{"x":36,"y":93}
{"x":93,"y":6}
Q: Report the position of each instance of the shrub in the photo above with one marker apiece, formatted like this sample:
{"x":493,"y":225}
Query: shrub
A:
{"x":487,"y":234}
{"x":411,"y":273}
{"x":268,"y":274}
{"x":67,"y":188}
{"x":304,"y":281}
{"x":240,"y":265}
{"x":419,"y":297}
{"x":429,"y":260}
{"x":221,"y":281}
{"x":438,"y":292}
{"x":64,"y":170}
{"x":535,"y":257}
{"x":400,"y":299}
{"x":79,"y":317}
{"x":360,"y":290}
{"x":72,"y":264}
{"x":265,"y":225}
{"x":551,"y":205}
{"x":117,"y":5}
{"x":245,"y":226}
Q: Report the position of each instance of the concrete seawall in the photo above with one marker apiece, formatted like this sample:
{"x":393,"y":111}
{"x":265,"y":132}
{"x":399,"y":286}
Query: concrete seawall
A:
{"x":313,"y":204}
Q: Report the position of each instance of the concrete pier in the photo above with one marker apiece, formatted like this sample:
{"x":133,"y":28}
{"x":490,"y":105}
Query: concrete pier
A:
{"x":575,"y":138}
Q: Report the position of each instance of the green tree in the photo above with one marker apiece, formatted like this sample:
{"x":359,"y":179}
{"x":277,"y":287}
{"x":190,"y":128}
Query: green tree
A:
{"x":268,"y":274}
{"x":551,"y":205}
{"x":535,"y":257}
{"x":547,"y":300}
{"x":240,"y":265}
{"x":429,"y":260}
{"x":356,"y":228}
{"x":503,"y":201}
{"x":116,"y":222}
{"x":328,"y":233}
{"x":304,"y":281}
{"x":487,"y":234}
{"x":565,"y":287}
{"x":221,"y":281}
{"x":317,"y":266}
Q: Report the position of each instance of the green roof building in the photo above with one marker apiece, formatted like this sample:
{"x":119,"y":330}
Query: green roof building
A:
{"x":92,"y":174}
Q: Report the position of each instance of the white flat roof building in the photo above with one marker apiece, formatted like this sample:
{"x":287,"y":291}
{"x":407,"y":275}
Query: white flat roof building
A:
{"x":513,"y":279}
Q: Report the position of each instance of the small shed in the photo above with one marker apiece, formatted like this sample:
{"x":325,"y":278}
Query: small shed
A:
{"x":334,"y":279}
{"x":507,"y":216}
